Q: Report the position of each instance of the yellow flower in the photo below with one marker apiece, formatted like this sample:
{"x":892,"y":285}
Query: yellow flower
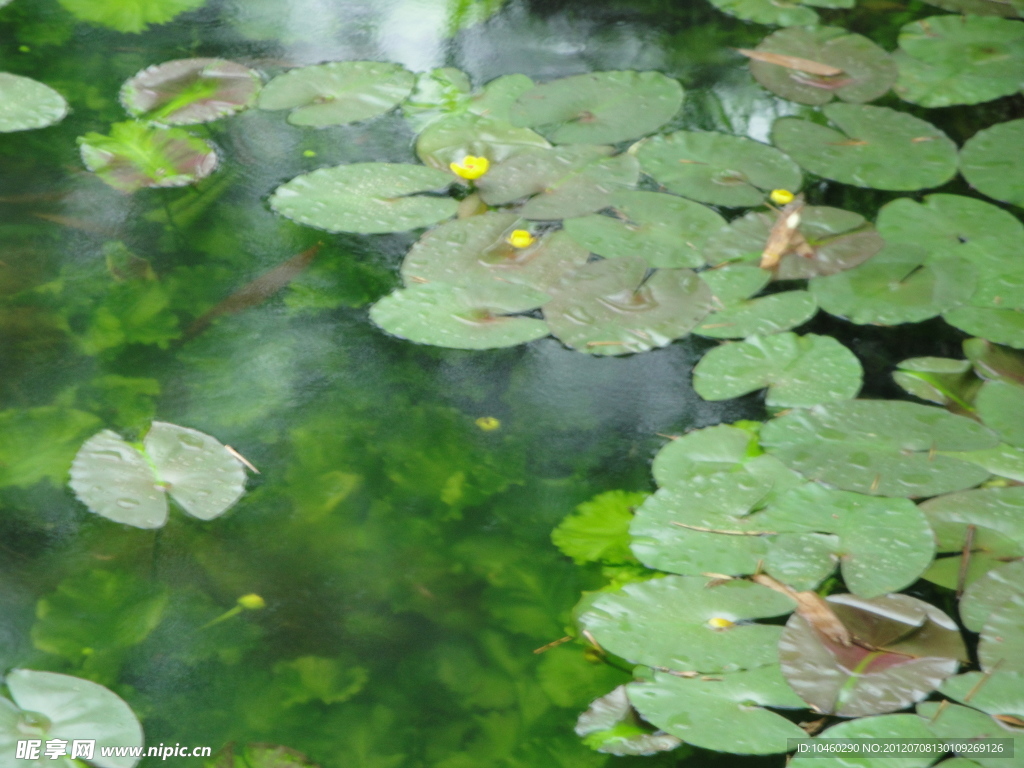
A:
{"x":471,"y":167}
{"x":781,"y":196}
{"x":252,"y":602}
{"x":487,"y":423}
{"x":520,"y":238}
{"x":719,"y":623}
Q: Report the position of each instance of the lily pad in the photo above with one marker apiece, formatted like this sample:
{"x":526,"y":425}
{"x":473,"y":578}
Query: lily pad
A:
{"x":725,"y":713}
{"x":799,"y":371}
{"x":338,"y":92}
{"x":994,"y":362}
{"x":904,"y":649}
{"x":1007,"y":8}
{"x":366,"y":197}
{"x":879,"y":447}
{"x":950,"y":383}
{"x":873,"y":147}
{"x":887,"y":727}
{"x":134,"y":156}
{"x":1001,"y":407}
{"x":900,"y":284}
{"x":611,"y":726}
{"x":452,"y":138}
{"x":447,"y":91}
{"x":561,"y":182}
{"x":867,"y":70}
{"x":188,"y":91}
{"x":608,"y":307}
{"x":942,"y":223}
{"x":1001,"y":645}
{"x":999,"y":586}
{"x":665,"y":230}
{"x":965,"y":725}
{"x":129,"y":15}
{"x":999,"y":693}
{"x":1002,"y":326}
{"x":742,"y":316}
{"x":782,"y":14}
{"x":462,"y":317}
{"x":599,"y":107}
{"x":664,"y":623}
{"x":948,"y":60}
{"x":122,"y":483}
{"x":991,"y":163}
{"x":717,"y":168}
{"x":26,"y":104}
{"x":57,"y":706}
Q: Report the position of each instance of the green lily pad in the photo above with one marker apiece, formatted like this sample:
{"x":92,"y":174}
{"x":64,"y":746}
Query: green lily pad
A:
{"x":462,"y":317}
{"x":950,"y":60}
{"x":599,"y":107}
{"x":447,"y":91}
{"x":1001,"y":645}
{"x":900,"y":284}
{"x":598,"y":530}
{"x":57,"y":706}
{"x":26,"y":104}
{"x":134,"y":156}
{"x":999,"y":586}
{"x":607,"y":307}
{"x":840,"y":240}
{"x":122,"y":483}
{"x":1003,"y":460}
{"x":561,"y":183}
{"x":909,"y":648}
{"x":999,"y":693}
{"x":799,"y":371}
{"x":450,"y":139}
{"x":1000,"y":272}
{"x":665,"y":230}
{"x":717,"y":168}
{"x":950,"y":383}
{"x":868,"y":71}
{"x":612,"y":727}
{"x":366,"y":197}
{"x":726,"y":713}
{"x":1001,"y":407}
{"x":873,"y":147}
{"x":40,"y":443}
{"x":942,"y":223}
{"x":338,"y":92}
{"x":1002,"y":326}
{"x":129,"y":15}
{"x":1006,"y":8}
{"x":802,"y":560}
{"x":782,"y":14}
{"x":664,"y":623}
{"x":994,"y":362}
{"x":991,"y":163}
{"x":879,"y":447}
{"x":476,"y":250}
{"x":759,"y":317}
{"x":966,"y":725}
{"x":887,"y":727}
{"x":188,"y":91}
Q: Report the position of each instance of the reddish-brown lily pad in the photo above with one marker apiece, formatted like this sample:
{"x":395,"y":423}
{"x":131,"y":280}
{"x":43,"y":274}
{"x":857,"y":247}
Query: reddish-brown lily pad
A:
{"x":188,"y":91}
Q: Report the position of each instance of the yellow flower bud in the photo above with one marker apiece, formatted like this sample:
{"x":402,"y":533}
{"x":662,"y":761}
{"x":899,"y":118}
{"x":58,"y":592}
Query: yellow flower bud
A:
{"x":720,"y":623}
{"x":471,"y":167}
{"x":252,"y":602}
{"x":520,"y":238}
{"x":781,"y":196}
{"x":487,"y":423}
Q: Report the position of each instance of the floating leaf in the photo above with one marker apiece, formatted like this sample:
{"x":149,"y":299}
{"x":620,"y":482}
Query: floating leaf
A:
{"x":879,"y":447}
{"x":717,"y":168}
{"x":799,"y":371}
{"x":865,"y":71}
{"x":599,"y":107}
{"x":664,"y":623}
{"x":963,"y":725}
{"x":26,"y":104}
{"x":450,"y":139}
{"x":187,"y":91}
{"x":994,"y":362}
{"x":946,"y":60}
{"x":338,"y":92}
{"x":447,"y":91}
{"x":129,"y":15}
{"x":127,"y":485}
{"x":881,"y":729}
{"x":462,"y":317}
{"x":665,"y":230}
{"x":992,"y":165}
{"x":900,"y":284}
{"x":561,"y":182}
{"x":608,"y":307}
{"x":134,"y":156}
{"x":1001,"y":407}
{"x":741,"y":316}
{"x":1002,"y":326}
{"x":942,"y":223}
{"x":1001,"y":645}
{"x":950,"y":383}
{"x":904,"y":649}
{"x":998,"y":693}
{"x":725,"y":713}
{"x":598,"y":530}
{"x":1001,"y":585}
{"x":873,"y":147}
{"x":366,"y":197}
{"x":1009,"y":8}
{"x":611,"y":726}
{"x":782,"y":14}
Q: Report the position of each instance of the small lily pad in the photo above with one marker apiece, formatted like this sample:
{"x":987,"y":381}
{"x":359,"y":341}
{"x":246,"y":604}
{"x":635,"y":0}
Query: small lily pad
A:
{"x":799,"y":371}
{"x":450,"y":139}
{"x":782,"y":14}
{"x":188,"y":91}
{"x":366,"y":197}
{"x":873,"y":147}
{"x":599,"y":107}
{"x":611,"y":307}
{"x":470,"y":317}
{"x":611,"y":726}
{"x":134,"y":156}
{"x":1000,"y":585}
{"x":867,"y":70}
{"x":992,"y":164}
{"x":717,"y":168}
{"x":338,"y":92}
{"x":879,"y":447}
{"x":665,"y":230}
{"x":740,"y":316}
{"x":561,"y":182}
{"x":26,"y":104}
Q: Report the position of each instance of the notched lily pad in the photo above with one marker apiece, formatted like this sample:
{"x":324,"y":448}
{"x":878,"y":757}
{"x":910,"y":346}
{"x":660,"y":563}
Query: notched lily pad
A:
{"x":873,"y":147}
{"x":338,"y":92}
{"x":612,"y":726}
{"x":188,"y":91}
{"x":866,"y":71}
{"x":26,"y":104}
{"x":717,"y":168}
{"x":599,"y":107}
{"x":992,"y":163}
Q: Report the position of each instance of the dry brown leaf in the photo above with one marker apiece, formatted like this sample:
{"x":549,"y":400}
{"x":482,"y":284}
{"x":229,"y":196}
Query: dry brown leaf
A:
{"x":784,"y":237}
{"x":812,"y":608}
{"x":792,"y":62}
